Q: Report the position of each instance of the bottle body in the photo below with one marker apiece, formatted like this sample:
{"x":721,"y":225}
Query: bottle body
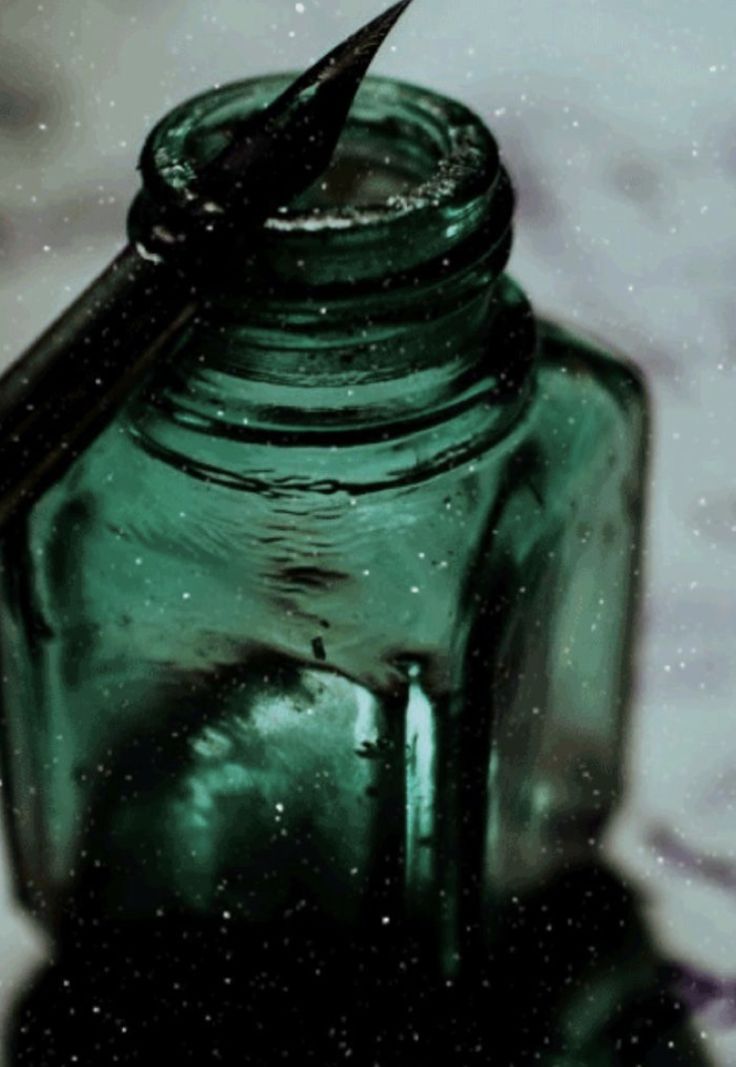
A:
{"x":221,"y":699}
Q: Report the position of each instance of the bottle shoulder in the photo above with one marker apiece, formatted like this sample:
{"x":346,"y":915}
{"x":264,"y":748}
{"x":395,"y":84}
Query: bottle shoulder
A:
{"x":581,"y":354}
{"x":586,"y":413}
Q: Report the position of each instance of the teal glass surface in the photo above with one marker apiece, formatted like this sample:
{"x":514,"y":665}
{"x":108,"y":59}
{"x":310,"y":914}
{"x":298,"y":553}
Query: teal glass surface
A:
{"x":330,"y":630}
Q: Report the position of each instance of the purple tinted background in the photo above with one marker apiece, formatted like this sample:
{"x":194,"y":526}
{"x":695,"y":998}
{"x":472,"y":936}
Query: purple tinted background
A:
{"x":618,"y":121}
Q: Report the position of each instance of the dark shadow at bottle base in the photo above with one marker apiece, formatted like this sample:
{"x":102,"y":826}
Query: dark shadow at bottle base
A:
{"x":572,"y":982}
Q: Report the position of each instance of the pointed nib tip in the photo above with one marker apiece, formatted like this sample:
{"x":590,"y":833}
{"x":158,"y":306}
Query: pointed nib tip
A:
{"x":391,"y":15}
{"x":366,"y":41}
{"x":398,"y":9}
{"x":351,"y":58}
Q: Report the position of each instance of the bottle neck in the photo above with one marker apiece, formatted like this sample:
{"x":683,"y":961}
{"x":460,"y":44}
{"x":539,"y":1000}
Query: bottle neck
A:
{"x":400,"y":400}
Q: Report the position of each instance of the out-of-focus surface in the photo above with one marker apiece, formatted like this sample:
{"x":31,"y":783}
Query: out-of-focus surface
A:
{"x":617,"y":119}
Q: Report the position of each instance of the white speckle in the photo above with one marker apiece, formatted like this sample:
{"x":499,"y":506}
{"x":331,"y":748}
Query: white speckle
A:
{"x":279,"y":806}
{"x":145,"y":254}
{"x":415,"y":589}
{"x":385,"y":920}
{"x":300,"y":9}
{"x":186,"y":596}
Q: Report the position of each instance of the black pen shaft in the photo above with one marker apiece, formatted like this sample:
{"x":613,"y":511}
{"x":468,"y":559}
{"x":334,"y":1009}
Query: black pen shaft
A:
{"x":51,"y":408}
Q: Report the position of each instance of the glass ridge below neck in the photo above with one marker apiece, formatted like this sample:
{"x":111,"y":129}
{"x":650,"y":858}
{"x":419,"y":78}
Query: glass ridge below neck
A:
{"x":251,"y":389}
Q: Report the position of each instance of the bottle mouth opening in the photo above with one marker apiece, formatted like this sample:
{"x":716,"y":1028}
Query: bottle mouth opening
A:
{"x":414,"y":176}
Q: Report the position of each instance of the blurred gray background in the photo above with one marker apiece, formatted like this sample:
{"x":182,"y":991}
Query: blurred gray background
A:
{"x":617,"y":119}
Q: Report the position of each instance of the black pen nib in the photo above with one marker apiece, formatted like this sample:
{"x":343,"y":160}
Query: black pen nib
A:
{"x":275,"y":154}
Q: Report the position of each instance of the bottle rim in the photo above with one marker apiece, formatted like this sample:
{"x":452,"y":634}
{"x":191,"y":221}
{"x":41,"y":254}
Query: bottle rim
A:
{"x":461,"y":192}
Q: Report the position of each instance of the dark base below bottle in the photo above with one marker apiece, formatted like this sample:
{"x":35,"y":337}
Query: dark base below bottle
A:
{"x":572,"y":983}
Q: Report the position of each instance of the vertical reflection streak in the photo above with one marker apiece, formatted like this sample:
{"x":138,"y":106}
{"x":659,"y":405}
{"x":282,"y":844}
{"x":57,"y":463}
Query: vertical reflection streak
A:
{"x":421,"y":789}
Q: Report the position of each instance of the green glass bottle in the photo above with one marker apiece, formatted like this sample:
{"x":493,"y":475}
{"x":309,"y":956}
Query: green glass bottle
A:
{"x":317,"y":658}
